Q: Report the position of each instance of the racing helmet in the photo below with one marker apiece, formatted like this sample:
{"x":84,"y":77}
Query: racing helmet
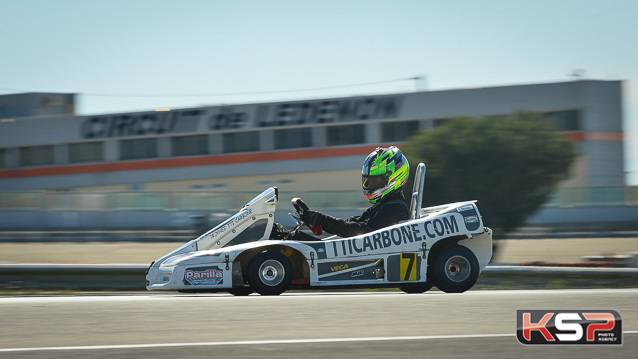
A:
{"x":384,"y":171}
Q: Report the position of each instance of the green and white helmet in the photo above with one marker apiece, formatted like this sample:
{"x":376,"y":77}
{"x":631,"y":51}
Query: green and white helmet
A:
{"x":385,"y":170}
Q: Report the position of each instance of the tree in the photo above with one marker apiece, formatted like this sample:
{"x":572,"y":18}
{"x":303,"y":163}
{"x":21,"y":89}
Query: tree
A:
{"x":509,"y":164}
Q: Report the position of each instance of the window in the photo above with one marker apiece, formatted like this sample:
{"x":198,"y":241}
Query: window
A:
{"x":36,"y":155}
{"x":565,"y":120}
{"x":86,"y":152}
{"x":293,"y":138}
{"x":345,"y":135}
{"x":398,"y":131}
{"x":241,"y":142}
{"x":189,"y":145}
{"x":138,"y":149}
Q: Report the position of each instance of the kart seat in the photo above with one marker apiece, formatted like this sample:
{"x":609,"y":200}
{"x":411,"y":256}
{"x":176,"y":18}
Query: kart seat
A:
{"x":417,"y":192}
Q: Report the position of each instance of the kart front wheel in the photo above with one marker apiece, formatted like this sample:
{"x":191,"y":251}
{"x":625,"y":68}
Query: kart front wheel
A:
{"x":270,"y":273}
{"x":455,"y":269}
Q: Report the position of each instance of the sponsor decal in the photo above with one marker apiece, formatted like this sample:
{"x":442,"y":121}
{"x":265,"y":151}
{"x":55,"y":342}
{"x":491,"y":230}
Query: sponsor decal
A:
{"x":465,"y":208}
{"x":203,"y":276}
{"x":319,"y":247}
{"x":562,"y":326}
{"x":471,"y":219}
{"x":343,"y":270}
{"x":231,"y":222}
{"x":357,"y":273}
{"x":397,"y":236}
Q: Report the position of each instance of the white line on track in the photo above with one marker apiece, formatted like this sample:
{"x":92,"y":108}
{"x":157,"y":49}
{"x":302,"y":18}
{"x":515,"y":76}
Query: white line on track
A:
{"x":171,"y":296}
{"x":265,"y":342}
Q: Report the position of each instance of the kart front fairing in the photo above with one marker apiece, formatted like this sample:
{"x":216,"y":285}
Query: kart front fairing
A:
{"x":250,"y":225}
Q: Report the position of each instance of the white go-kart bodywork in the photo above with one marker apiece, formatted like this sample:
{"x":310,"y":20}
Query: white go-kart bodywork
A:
{"x":447,"y":246}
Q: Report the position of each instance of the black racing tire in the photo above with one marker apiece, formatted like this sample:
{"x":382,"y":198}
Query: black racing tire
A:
{"x":455,"y":269}
{"x":270,"y":273}
{"x":241,"y":291}
{"x":416,"y":288}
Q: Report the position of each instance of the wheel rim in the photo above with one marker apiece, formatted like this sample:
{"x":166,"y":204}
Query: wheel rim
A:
{"x":271,"y":272}
{"x":457,"y":269}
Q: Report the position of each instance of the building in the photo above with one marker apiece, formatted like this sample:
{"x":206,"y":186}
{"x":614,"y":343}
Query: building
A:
{"x":299,"y":145}
{"x":36,"y":104}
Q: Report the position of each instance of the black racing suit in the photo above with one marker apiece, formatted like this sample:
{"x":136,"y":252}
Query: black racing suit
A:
{"x":387,"y":211}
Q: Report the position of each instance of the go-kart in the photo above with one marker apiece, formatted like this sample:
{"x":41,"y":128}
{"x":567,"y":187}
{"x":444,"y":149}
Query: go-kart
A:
{"x":445,"y":246}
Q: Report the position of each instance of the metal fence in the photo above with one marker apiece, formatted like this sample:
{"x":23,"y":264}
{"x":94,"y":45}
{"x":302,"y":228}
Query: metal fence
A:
{"x":230,"y":201}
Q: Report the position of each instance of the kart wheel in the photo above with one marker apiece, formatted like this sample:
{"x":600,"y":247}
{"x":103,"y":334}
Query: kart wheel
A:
{"x":270,"y":273}
{"x":241,"y":291}
{"x":416,"y":288}
{"x":455,"y":269}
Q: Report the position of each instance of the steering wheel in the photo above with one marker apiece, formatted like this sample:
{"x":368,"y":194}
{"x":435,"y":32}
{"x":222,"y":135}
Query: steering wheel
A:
{"x":301,"y":207}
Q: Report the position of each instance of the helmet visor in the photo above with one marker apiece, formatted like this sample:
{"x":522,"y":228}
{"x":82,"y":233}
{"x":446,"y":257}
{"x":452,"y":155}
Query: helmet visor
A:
{"x":373,"y":183}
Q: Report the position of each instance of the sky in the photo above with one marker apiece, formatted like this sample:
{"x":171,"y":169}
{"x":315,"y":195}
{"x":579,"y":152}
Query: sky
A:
{"x":135,"y":55}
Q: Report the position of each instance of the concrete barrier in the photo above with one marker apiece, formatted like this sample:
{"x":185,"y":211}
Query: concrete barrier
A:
{"x":557,"y":277}
{"x":132,"y":277}
{"x":73,"y":276}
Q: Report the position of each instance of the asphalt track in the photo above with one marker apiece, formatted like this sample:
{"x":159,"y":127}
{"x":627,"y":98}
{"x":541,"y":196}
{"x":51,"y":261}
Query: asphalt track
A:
{"x":476,"y":324}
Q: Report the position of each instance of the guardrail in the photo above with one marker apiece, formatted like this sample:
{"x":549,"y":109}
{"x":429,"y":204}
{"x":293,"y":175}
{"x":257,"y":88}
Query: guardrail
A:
{"x":132,"y":277}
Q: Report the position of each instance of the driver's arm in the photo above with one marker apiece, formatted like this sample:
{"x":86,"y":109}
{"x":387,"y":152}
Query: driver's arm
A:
{"x":338,"y":226}
{"x":388,"y":215}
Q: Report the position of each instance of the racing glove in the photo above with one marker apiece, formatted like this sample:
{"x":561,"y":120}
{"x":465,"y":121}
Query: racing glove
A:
{"x":311,"y":217}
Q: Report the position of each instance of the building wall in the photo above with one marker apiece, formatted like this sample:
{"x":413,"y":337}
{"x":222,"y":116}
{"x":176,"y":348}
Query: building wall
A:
{"x":298,"y":140}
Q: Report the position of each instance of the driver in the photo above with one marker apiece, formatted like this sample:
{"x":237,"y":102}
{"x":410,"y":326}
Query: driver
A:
{"x":385,"y":171}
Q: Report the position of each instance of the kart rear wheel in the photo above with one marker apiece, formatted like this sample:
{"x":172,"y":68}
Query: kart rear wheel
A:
{"x":455,"y":269}
{"x":416,"y":288}
{"x":270,"y":273}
